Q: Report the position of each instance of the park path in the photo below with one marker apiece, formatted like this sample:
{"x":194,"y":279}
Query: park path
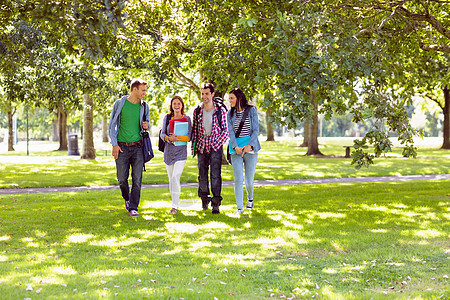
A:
{"x":231,"y":183}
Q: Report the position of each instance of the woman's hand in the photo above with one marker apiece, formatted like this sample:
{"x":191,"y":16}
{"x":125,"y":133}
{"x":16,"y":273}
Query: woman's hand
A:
{"x":246,"y":149}
{"x":238,"y":150}
{"x":173,"y":137}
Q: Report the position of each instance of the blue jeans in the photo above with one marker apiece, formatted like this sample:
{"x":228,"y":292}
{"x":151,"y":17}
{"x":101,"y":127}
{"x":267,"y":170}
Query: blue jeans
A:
{"x":130,"y":157}
{"x":205,"y":160}
{"x":238,"y":162}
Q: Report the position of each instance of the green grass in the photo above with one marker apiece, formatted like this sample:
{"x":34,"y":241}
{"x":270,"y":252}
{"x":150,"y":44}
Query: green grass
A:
{"x":277,"y":160}
{"x":330,"y":241}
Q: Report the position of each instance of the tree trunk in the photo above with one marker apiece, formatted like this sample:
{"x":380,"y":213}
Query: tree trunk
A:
{"x":105,"y":136}
{"x":446,"y":110}
{"x":55,"y":131}
{"x":270,"y":135}
{"x":10,"y":129}
{"x":88,"y":151}
{"x":62,"y":128}
{"x":313,"y":143}
{"x":306,"y":125}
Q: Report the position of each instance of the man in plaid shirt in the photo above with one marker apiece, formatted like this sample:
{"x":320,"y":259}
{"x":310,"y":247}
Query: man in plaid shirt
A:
{"x":209,"y":133}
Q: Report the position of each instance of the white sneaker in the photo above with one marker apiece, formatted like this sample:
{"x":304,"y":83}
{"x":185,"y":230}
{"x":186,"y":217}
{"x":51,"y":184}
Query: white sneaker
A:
{"x":249,"y":204}
{"x":134,"y":213}
{"x":239,"y":212}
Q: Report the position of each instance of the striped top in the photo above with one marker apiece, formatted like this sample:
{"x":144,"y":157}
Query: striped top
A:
{"x":245,"y":128}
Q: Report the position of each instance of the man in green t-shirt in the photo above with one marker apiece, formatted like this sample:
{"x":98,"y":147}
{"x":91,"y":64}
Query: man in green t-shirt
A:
{"x":125,"y":127}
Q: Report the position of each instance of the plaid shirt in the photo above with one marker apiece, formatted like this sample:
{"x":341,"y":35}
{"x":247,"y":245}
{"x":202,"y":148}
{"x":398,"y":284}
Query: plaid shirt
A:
{"x":217,"y":137}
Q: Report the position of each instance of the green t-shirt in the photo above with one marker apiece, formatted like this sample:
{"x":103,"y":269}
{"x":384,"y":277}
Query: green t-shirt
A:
{"x":129,"y":123}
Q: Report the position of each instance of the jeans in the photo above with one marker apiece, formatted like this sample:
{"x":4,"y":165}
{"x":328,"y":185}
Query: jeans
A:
{"x":134,"y":157}
{"x":238,"y":162}
{"x":174,"y":172}
{"x":205,"y":160}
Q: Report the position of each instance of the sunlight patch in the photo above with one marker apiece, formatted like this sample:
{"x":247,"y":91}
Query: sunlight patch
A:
{"x":215,"y":225}
{"x":376,"y":208}
{"x":428,"y":233}
{"x":105,"y":273}
{"x":329,"y":215}
{"x":269,"y":243}
{"x":182,"y":227}
{"x":378,"y":230}
{"x":79,"y":238}
{"x":3,"y":258}
{"x":114,"y":242}
{"x":4,"y":238}
{"x":64,"y":270}
{"x":330,"y":271}
{"x":315,"y":174}
{"x":198,"y":245}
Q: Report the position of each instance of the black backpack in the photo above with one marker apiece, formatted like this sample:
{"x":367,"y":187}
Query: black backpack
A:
{"x":218,"y":113}
{"x":161,"y":142}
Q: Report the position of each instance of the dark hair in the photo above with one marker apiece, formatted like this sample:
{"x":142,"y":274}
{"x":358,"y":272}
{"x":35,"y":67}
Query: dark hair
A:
{"x":172,"y":113}
{"x":208,"y":85}
{"x":241,"y":100}
{"x":136,"y":82}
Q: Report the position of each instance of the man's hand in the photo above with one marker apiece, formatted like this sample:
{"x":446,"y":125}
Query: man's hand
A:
{"x":145,"y":125}
{"x":115,"y":151}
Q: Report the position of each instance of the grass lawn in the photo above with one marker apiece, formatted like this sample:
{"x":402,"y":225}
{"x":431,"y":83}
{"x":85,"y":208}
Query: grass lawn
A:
{"x":330,"y":241}
{"x":276,"y":160}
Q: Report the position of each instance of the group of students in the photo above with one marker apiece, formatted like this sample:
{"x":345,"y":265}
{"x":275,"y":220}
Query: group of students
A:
{"x":208,"y":131}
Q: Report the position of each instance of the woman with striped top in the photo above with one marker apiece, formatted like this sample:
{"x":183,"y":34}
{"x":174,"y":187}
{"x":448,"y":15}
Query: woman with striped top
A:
{"x":246,"y":156}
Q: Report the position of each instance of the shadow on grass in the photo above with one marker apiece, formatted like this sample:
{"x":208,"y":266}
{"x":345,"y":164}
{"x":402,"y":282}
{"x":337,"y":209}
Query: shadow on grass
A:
{"x":327,"y":238}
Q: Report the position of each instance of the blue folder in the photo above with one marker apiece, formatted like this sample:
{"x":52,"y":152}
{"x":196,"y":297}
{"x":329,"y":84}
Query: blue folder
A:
{"x":241,"y":142}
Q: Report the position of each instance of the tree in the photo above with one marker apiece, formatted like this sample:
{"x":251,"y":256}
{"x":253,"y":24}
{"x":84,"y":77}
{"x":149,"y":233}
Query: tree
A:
{"x":424,"y":22}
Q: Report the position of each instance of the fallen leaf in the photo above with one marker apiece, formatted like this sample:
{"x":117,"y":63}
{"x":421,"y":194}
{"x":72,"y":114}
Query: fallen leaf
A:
{"x":29,"y":288}
{"x":223,"y":283}
{"x":242,"y":275}
{"x":225,"y":269}
{"x":38,"y":290}
{"x":152,"y":280}
{"x":170,"y":287}
{"x":392,"y":287}
{"x":316,"y":285}
{"x":230,"y":293}
{"x":194,"y":279}
{"x":445,"y":276}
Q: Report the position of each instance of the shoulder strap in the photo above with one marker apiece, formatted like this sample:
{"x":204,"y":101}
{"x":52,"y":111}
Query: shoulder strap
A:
{"x":244,"y":116}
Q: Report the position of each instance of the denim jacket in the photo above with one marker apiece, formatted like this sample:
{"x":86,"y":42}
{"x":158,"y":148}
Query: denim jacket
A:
{"x":114,"y":122}
{"x":254,"y":129}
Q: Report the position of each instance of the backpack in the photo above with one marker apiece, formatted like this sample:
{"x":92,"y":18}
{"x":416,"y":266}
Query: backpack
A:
{"x":147,"y":143}
{"x":161,"y":142}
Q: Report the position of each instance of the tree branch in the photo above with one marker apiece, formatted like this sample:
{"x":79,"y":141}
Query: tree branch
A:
{"x":424,"y":18}
{"x":440,"y":48}
{"x":432,"y":98}
{"x":187,"y":82}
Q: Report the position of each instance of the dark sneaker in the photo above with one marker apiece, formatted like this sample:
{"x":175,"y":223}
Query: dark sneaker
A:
{"x":134,"y":213}
{"x":215,"y":210}
{"x":249,"y":204}
{"x":205,"y":202}
{"x":127,"y":205}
